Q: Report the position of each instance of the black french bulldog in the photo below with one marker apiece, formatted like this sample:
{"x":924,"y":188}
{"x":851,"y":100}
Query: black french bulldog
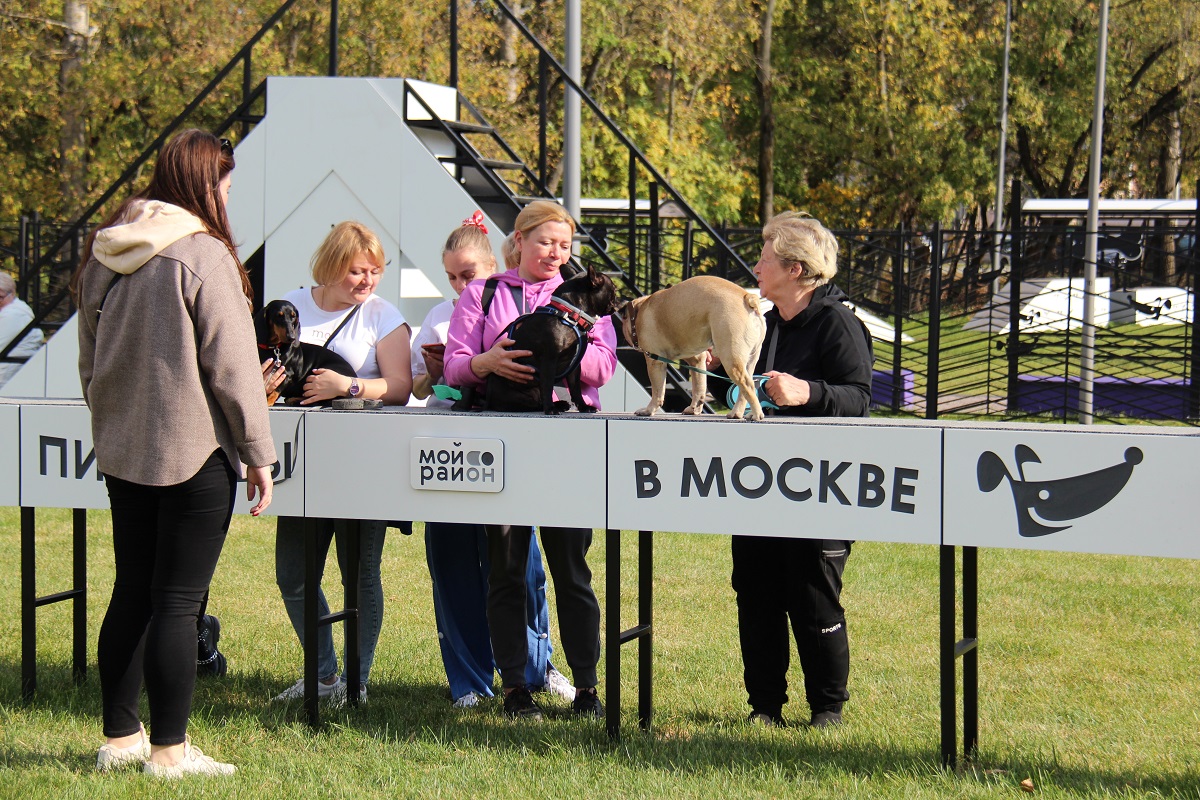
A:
{"x":557,"y":334}
{"x":277,"y":327}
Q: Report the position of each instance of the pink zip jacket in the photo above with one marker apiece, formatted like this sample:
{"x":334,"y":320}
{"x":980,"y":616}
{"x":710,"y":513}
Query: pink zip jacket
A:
{"x":471,"y":334}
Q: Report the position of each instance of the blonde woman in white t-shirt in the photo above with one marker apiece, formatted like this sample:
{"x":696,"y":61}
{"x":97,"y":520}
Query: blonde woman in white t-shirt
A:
{"x":375,"y":340}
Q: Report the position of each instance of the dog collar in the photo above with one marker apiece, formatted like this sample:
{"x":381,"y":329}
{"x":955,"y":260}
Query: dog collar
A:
{"x":576,"y":316}
{"x":633,"y":337}
{"x":275,"y":349}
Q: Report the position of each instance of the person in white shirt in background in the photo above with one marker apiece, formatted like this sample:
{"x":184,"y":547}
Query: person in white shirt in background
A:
{"x":15,"y":314}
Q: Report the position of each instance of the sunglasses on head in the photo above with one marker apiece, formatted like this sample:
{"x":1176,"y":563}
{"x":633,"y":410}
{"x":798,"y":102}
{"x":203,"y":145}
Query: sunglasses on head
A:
{"x":226,"y":146}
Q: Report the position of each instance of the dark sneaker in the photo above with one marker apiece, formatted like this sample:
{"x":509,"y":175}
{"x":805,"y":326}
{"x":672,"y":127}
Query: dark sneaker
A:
{"x":587,"y":703}
{"x":519,"y":704}
{"x":766,"y":720}
{"x":825,"y":719}
{"x":209,"y":660}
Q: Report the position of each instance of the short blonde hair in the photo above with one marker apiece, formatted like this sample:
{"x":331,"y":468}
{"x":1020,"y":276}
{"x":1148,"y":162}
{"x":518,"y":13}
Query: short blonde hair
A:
{"x":331,"y":263}
{"x":800,"y":239}
{"x":539,"y":212}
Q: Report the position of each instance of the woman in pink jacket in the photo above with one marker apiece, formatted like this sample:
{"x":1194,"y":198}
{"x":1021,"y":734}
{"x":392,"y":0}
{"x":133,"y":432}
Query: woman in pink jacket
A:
{"x":476,"y":347}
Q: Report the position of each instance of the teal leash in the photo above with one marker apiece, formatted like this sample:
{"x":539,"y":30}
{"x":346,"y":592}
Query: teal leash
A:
{"x":732,"y":395}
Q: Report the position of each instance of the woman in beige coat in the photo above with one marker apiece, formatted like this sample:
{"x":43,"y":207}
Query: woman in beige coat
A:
{"x":170,"y":371}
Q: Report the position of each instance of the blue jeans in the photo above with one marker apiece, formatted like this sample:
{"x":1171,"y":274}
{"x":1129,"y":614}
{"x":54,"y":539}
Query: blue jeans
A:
{"x":289,"y":574}
{"x":458,"y":561}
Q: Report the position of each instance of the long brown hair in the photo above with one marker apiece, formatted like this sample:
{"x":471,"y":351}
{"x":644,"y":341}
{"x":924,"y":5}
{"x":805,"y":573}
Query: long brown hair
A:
{"x":188,"y":172}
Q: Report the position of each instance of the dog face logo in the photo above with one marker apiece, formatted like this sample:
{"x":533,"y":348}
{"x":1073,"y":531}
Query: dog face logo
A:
{"x":1059,"y":500}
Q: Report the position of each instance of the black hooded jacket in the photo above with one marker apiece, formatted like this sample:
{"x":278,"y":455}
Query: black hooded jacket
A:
{"x":826,"y":345}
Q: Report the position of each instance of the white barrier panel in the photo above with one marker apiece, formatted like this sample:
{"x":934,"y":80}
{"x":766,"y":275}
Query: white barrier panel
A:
{"x":58,"y":464}
{"x":1126,"y":490}
{"x":10,"y":455}
{"x":1077,"y":489}
{"x":812,"y":479}
{"x":287,"y":431}
{"x":361,"y":465}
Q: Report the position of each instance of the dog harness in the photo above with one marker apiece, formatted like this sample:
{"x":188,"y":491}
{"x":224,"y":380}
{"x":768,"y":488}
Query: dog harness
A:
{"x":578,"y":320}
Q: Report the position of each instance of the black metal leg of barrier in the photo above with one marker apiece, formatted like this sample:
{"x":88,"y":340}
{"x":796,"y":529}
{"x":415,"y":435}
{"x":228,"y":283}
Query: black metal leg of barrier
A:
{"x":952,"y":648}
{"x":612,"y":626}
{"x":970,"y":649}
{"x":79,"y":570}
{"x":28,"y":606}
{"x":30,"y":602}
{"x":645,"y":641}
{"x":311,"y":585}
{"x":948,"y":672}
{"x":615,"y":637}
{"x":353,"y":620}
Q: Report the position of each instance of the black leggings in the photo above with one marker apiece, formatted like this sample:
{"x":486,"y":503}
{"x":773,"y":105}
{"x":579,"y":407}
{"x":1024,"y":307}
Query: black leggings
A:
{"x":578,"y":610}
{"x":166,"y":541}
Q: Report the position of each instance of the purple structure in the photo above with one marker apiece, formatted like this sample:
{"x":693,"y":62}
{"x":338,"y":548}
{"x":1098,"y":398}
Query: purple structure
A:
{"x":1144,"y":398}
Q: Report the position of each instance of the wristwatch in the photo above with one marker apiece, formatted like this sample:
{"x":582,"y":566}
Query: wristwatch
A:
{"x":355,"y":389}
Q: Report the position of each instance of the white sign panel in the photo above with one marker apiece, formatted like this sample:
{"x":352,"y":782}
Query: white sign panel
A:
{"x":805,"y":479}
{"x":360,"y":466}
{"x":287,"y":495}
{"x":1080,"y":489}
{"x":10,"y":455}
{"x":456,"y":465}
{"x":58,"y":464}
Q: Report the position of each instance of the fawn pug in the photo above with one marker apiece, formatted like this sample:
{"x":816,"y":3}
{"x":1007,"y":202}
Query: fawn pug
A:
{"x":681,"y":322}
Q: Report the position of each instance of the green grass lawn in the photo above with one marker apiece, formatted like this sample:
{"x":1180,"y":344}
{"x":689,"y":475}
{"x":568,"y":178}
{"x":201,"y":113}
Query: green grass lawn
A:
{"x":1088,"y":679}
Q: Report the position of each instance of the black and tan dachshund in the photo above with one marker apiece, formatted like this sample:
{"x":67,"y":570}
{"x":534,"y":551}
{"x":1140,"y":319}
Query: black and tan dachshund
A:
{"x":278,"y":329}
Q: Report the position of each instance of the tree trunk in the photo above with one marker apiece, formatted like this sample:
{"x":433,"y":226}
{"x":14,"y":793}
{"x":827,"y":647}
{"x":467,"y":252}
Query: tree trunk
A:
{"x":1168,"y":180}
{"x":508,"y":53}
{"x":72,"y":139}
{"x":765,"y":85}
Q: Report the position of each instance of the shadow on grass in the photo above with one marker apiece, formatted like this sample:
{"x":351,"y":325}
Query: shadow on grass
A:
{"x":691,"y":743}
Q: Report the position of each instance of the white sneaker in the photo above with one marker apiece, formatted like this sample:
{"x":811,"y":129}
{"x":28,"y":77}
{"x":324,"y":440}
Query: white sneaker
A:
{"x":324,"y":691}
{"x":468,"y":700}
{"x":109,"y":757}
{"x":338,"y":696}
{"x":193,"y":763}
{"x":557,"y":683}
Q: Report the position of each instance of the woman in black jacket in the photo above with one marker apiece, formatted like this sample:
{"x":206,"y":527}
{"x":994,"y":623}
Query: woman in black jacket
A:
{"x":817,"y":356}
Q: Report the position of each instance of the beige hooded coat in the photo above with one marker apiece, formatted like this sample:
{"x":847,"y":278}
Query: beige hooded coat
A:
{"x":170,"y":368}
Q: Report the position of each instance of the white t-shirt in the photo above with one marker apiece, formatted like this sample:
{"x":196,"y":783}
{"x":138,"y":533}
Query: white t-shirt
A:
{"x":357,"y":341}
{"x":433,"y":330}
